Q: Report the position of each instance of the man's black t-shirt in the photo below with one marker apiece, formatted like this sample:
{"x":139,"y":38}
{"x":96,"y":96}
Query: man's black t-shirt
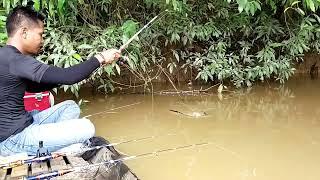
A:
{"x":20,"y":73}
{"x":16,"y":70}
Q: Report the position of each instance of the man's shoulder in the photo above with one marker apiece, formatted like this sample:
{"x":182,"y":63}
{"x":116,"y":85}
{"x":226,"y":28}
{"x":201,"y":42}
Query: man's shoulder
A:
{"x":7,"y":51}
{"x":4,"y":48}
{"x":6,"y":54}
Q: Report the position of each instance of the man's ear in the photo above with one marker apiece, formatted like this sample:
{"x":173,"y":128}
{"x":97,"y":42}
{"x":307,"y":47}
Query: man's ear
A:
{"x":24,"y":32}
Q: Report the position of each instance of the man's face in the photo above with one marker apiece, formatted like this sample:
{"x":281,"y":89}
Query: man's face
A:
{"x":33,"y":38}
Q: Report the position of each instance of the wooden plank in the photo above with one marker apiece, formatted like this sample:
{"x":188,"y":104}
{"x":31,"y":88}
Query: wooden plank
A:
{"x":83,"y":174}
{"x":77,"y":161}
{"x":129,"y":176}
{"x":19,"y":171}
{"x":37,"y":168}
{"x":3,"y":174}
{"x":59,"y":164}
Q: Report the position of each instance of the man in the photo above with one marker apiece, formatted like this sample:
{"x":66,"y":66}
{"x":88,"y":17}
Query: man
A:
{"x":58,"y":126}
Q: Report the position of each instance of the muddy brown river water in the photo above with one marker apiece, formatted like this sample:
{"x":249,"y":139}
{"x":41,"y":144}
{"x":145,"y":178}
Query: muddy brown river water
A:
{"x":269,"y":132}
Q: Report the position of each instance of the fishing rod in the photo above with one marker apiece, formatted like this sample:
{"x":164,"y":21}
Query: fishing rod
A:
{"x":50,"y":175}
{"x":29,"y":160}
{"x":54,"y":155}
{"x":112,"y":162}
{"x":125,"y":45}
{"x":129,"y":141}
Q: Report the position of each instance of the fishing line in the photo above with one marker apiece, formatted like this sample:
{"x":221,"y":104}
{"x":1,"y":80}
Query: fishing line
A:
{"x":82,"y":150}
{"x":113,"y":162}
{"x":112,"y":109}
{"x":125,"y":45}
{"x":85,"y":149}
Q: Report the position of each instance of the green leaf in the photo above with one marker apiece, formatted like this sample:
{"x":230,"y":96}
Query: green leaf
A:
{"x":77,"y":56}
{"x":3,"y":18}
{"x":65,"y":88}
{"x":252,"y":9}
{"x":300,"y":11}
{"x":249,"y":84}
{"x":85,"y":46}
{"x":276,"y":45}
{"x":198,"y":75}
{"x":111,"y":87}
{"x":109,"y":70}
{"x":176,"y":55}
{"x":311,"y":5}
{"x":117,"y":68}
{"x":129,"y":28}
{"x":257,"y":4}
{"x":242,"y":4}
{"x":36,"y":4}
{"x":271,"y":69}
{"x":185,"y":40}
{"x":317,"y":17}
{"x":220,"y":89}
{"x":171,"y":69}
{"x":61,"y":6}
{"x":51,"y":7}
{"x":294,"y":3}
{"x":175,"y":5}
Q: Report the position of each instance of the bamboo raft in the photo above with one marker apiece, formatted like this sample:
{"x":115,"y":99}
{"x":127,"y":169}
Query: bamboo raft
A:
{"x":60,"y":163}
{"x":115,"y":172}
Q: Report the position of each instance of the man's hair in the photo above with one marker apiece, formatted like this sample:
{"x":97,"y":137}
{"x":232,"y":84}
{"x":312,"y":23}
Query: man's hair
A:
{"x":20,"y":15}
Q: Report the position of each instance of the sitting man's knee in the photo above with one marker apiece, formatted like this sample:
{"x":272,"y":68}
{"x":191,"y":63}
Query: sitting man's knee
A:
{"x":73,"y":105}
{"x":70,"y":103}
{"x":87,"y":127}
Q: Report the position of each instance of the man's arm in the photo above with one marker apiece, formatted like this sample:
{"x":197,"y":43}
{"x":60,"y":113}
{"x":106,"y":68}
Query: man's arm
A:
{"x":28,"y":68}
{"x":71,"y":75}
{"x":54,"y":76}
{"x":35,"y":87}
{"x":79,"y":72}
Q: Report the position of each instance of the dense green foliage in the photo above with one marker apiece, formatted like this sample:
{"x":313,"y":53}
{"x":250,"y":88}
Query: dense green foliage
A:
{"x":239,"y":41}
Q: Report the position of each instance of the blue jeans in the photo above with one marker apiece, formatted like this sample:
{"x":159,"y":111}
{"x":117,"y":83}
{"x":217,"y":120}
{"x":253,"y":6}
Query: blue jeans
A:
{"x":58,"y":127}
